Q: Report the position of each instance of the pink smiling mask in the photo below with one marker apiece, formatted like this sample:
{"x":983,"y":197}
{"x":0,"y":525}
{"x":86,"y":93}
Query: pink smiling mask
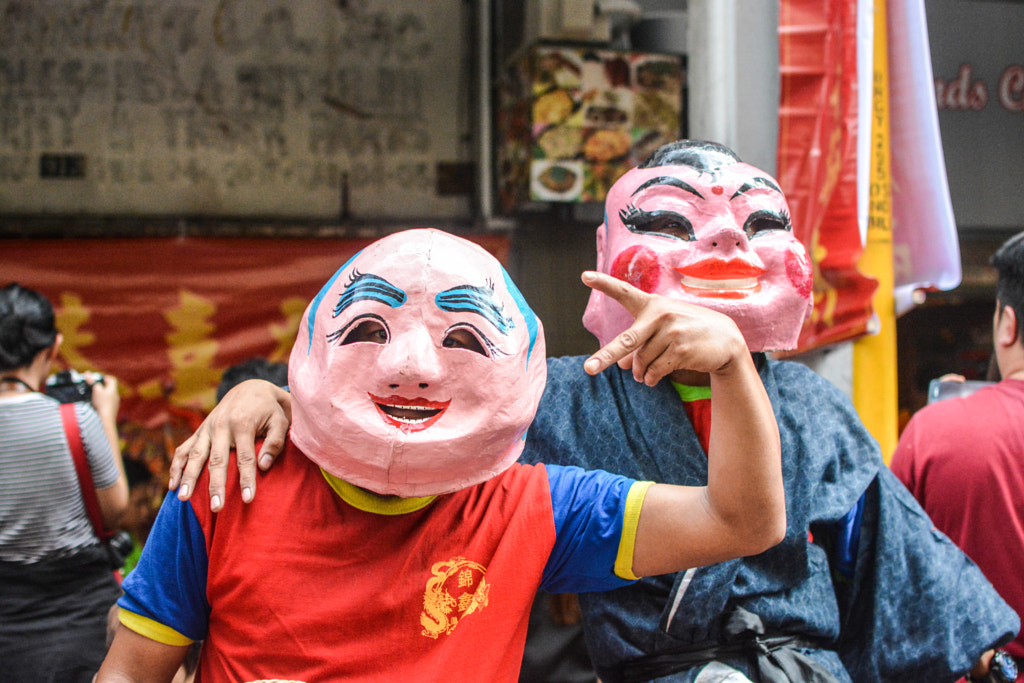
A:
{"x":417,"y":369}
{"x":702,"y":227}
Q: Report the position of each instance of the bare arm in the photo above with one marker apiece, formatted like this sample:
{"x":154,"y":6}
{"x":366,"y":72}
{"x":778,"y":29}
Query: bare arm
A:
{"x":134,"y":658}
{"x":742,"y":509}
{"x":113,"y":500}
{"x":251,"y":409}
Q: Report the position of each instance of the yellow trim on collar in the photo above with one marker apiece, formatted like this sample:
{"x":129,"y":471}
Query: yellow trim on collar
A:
{"x":688,"y":393}
{"x":630,"y":521}
{"x":368,"y":501}
{"x":153,"y":630}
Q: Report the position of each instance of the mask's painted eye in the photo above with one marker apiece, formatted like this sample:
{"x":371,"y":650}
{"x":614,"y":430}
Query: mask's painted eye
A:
{"x":761,"y":222}
{"x":666,"y":223}
{"x":462,"y":338}
{"x":368,"y":330}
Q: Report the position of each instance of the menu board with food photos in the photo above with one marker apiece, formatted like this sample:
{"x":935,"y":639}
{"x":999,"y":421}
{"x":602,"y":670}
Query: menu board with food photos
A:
{"x":572,"y":120}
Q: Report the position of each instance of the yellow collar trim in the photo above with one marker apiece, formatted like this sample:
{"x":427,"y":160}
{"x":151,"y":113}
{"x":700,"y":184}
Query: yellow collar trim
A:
{"x":368,"y":501}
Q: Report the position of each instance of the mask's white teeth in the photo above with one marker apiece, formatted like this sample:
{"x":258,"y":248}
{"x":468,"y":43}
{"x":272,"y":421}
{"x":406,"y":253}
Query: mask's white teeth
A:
{"x":409,"y":420}
{"x":400,"y":407}
{"x":744,"y":283}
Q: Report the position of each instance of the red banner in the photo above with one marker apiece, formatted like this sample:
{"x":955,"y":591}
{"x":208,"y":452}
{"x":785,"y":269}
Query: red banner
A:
{"x":166,"y":316}
{"x":817,"y":160}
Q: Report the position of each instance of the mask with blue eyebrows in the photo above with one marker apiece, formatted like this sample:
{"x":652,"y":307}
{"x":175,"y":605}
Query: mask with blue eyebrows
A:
{"x":417,"y":369}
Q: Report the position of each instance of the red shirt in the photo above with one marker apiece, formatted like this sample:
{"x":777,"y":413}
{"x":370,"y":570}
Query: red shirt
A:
{"x":963,"y":459}
{"x":306,"y":583}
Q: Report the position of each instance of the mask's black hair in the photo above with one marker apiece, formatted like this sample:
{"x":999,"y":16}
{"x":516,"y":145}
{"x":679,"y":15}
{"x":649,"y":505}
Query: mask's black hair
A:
{"x":699,"y":154}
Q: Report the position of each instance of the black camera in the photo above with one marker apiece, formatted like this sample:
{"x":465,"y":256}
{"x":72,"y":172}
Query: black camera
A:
{"x":69,"y":386}
{"x":119,"y":547}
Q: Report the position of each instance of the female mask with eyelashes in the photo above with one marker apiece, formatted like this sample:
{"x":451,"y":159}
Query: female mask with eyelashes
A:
{"x":696,"y":224}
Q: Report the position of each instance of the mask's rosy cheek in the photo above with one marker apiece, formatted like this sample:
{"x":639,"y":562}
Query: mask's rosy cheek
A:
{"x":638,"y":266}
{"x":798,"y":268}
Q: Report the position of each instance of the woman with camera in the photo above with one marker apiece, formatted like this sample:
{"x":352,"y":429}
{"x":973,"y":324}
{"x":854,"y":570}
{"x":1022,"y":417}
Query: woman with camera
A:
{"x":56,"y":581}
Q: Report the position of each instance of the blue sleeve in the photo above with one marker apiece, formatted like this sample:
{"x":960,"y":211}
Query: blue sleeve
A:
{"x":589,"y":508}
{"x":920,"y":608}
{"x":847,"y":532}
{"x":169,"y":583}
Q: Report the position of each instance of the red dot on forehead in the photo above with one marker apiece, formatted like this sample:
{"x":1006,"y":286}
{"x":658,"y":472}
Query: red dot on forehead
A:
{"x":717,"y":189}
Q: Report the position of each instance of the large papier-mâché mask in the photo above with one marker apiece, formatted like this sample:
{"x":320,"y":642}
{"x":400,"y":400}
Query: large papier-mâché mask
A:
{"x":417,"y":368}
{"x":718,"y":237}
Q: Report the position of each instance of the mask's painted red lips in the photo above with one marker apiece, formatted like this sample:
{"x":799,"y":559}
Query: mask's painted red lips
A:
{"x":731,"y":279}
{"x":409,"y":414}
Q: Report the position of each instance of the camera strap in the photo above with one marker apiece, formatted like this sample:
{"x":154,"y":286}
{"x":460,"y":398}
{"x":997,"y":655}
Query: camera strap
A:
{"x":22,"y":384}
{"x":92,"y":503}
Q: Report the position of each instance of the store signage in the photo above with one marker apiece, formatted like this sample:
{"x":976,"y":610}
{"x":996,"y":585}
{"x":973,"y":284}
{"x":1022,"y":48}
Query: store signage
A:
{"x":966,"y":92}
{"x":978,"y":75}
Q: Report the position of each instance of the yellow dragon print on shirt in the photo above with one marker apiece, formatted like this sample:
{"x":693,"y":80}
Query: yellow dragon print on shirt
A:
{"x":455,"y":590}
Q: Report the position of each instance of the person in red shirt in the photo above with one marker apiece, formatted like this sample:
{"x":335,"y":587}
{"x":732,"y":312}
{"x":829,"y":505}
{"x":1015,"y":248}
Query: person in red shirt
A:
{"x":400,"y":539}
{"x":963,"y":458}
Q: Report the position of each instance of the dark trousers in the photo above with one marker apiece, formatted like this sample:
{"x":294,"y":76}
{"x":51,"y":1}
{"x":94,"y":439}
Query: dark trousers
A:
{"x":53,"y":619}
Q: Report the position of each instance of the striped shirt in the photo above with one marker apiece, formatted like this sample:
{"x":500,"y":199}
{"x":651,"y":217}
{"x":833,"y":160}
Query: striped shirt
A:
{"x":41,"y":510}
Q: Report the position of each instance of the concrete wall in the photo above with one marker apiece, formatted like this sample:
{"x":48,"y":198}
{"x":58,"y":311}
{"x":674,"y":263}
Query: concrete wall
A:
{"x":300,"y":108}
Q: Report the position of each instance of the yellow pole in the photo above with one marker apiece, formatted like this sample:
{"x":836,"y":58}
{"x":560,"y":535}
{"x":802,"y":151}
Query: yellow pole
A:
{"x":874,"y":356}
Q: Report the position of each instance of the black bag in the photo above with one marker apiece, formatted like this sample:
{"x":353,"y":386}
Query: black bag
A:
{"x":776,"y":658}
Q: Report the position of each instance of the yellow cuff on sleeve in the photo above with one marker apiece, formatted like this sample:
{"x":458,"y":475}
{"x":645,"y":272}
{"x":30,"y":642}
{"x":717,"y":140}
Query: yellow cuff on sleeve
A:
{"x":153,"y":630}
{"x":631,"y":518}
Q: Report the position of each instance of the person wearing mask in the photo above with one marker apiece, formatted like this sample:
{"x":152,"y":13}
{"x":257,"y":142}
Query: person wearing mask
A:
{"x":400,"y":540}
{"x":56,"y":580}
{"x":861,"y":588}
{"x":963,"y":458}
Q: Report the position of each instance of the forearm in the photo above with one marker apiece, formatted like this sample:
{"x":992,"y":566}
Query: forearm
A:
{"x":113,"y":500}
{"x":745,"y":489}
{"x":106,"y":402}
{"x":110,"y":429}
{"x":742,"y":509}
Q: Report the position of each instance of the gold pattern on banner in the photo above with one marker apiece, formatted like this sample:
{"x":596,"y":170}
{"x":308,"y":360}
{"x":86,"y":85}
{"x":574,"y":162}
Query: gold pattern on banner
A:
{"x":825,"y":295}
{"x":191,"y":351}
{"x":455,"y":590}
{"x":284,"y":334}
{"x":70,"y":319}
{"x":834,"y":154}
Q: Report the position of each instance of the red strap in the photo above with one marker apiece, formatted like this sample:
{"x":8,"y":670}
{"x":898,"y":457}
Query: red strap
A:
{"x":92,"y":503}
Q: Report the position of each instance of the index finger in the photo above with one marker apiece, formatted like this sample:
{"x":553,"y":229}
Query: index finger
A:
{"x":626,"y":343}
{"x":631,"y":298}
{"x":612,"y":352}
